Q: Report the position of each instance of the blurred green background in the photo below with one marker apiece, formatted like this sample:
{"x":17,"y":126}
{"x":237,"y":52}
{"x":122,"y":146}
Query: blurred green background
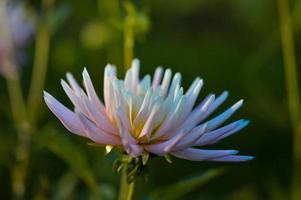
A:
{"x":233,"y":45}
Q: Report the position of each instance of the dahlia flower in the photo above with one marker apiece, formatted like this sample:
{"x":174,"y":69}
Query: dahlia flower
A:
{"x":149,"y":115}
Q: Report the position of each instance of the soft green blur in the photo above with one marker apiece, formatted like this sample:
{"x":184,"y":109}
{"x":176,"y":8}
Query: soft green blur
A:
{"x":232,"y":45}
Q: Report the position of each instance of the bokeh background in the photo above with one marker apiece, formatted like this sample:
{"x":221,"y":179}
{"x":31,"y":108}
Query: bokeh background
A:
{"x":233,"y":45}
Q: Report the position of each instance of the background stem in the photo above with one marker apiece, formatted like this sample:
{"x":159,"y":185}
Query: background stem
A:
{"x":24,"y":126}
{"x":292,"y":93}
{"x":129,"y":40}
{"x":40,"y":64}
{"x":18,"y":110}
{"x":23,"y":135}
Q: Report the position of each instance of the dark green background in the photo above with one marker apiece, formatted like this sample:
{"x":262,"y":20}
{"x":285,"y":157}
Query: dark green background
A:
{"x":233,"y":45}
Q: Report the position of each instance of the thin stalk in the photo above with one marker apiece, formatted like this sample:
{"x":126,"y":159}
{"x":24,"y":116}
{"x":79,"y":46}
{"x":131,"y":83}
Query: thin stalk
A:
{"x":40,"y":64}
{"x":124,"y":186}
{"x":16,"y":100}
{"x":22,"y":126}
{"x":131,"y":190}
{"x":129,"y":42}
{"x":126,"y":191}
{"x":18,"y":110}
{"x":291,"y":77}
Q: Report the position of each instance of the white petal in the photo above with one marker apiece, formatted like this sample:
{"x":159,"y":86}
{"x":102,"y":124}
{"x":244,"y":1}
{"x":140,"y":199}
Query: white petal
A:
{"x":144,"y":85}
{"x":143,"y":111}
{"x":171,"y":122}
{"x":135,"y":74}
{"x":149,"y":125}
{"x":193,"y":95}
{"x":176,"y":81}
{"x":128,"y":80}
{"x":157,"y":77}
{"x":166,"y":82}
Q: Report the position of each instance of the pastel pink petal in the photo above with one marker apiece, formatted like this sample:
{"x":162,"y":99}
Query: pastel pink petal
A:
{"x":68,"y":118}
{"x":157,"y":77}
{"x":76,"y":100}
{"x":219,"y":134}
{"x":164,"y":147}
{"x":197,"y":115}
{"x":190,"y":138}
{"x":201,"y":154}
{"x":99,"y":119}
{"x":74,"y":85}
{"x":96,"y":134}
{"x":91,"y":92}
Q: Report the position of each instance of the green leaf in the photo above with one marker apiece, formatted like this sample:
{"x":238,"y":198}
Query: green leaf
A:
{"x":145,"y":157}
{"x":184,"y":187}
{"x":7,"y":148}
{"x":69,"y":152}
{"x":66,"y":186}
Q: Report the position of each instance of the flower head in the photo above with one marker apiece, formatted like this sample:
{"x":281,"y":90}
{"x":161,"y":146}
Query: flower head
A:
{"x":149,"y":115}
{"x":16,"y":28}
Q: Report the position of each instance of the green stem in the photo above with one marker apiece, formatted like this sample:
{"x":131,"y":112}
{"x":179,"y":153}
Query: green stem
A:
{"x":124,"y":187}
{"x":19,"y":114}
{"x":126,"y":191}
{"x":16,"y":101}
{"x":290,"y":68}
{"x":23,"y":134}
{"x":39,"y":69}
{"x":131,"y":190}
{"x":129,"y":41}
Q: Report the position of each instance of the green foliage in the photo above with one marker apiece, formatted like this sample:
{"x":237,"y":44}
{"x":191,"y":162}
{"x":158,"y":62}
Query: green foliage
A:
{"x":186,"y":186}
{"x":66,"y":186}
{"x":50,"y":138}
{"x":137,"y":19}
{"x":58,"y":16}
{"x":94,"y":35}
{"x":6,"y":155}
{"x":233,"y":45}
